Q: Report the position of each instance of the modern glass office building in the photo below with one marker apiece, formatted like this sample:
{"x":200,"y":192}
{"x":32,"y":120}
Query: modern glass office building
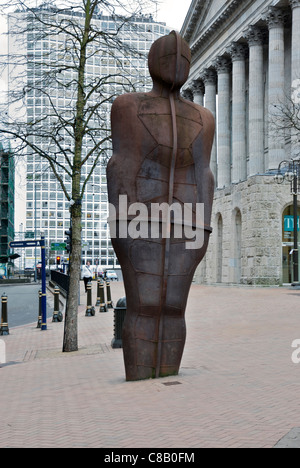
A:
{"x":7,"y":172}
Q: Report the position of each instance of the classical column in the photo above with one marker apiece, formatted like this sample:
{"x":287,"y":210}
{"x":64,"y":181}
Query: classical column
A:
{"x":198,"y":91}
{"x":188,"y":94}
{"x":209,"y":78}
{"x":255,"y":39}
{"x":295,"y":5}
{"x":223,"y":67}
{"x":239,"y":151}
{"x":275,"y":19}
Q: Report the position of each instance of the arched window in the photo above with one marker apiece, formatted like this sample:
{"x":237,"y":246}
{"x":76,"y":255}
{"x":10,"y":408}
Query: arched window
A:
{"x":219,"y":257}
{"x":238,"y":245}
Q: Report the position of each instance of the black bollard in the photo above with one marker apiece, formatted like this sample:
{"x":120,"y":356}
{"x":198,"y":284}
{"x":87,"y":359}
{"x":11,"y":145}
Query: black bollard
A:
{"x":4,"y":331}
{"x":98,"y":293}
{"x":119,"y":317}
{"x":109,"y":303}
{"x":90,"y":310}
{"x":57,"y":315}
{"x":103,"y":307}
{"x":39,"y":324}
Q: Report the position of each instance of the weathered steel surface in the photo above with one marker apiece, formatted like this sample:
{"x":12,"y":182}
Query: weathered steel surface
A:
{"x":161,"y":154}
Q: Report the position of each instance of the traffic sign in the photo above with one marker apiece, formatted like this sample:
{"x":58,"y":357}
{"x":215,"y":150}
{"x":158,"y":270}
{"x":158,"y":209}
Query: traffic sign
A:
{"x":58,"y":246}
{"x":36,"y":243}
{"x":20,"y":244}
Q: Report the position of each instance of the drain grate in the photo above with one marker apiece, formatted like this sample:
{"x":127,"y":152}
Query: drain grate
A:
{"x":168,"y":384}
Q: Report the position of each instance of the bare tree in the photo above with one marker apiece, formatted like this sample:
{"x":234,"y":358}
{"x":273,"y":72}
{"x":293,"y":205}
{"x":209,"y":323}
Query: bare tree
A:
{"x":76,"y":136}
{"x":285,"y":119}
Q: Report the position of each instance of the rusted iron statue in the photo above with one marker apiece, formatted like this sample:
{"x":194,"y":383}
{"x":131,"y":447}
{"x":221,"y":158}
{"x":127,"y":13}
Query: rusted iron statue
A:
{"x":161,"y":155}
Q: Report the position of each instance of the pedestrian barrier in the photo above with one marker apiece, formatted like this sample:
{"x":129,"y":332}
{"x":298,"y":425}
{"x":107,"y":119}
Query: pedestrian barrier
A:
{"x":90,"y":310}
{"x":4,"y":330}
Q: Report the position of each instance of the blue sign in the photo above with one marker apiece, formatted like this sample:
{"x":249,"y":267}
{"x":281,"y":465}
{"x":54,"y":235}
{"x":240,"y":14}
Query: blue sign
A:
{"x":20,"y":244}
{"x":36,"y":243}
{"x":289,"y":223}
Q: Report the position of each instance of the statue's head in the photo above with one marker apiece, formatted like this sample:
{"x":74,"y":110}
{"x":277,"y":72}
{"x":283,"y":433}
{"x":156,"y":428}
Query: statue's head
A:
{"x":169,"y":60}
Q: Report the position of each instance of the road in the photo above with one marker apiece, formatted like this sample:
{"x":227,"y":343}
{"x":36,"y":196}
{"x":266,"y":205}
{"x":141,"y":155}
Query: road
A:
{"x":23,"y":303}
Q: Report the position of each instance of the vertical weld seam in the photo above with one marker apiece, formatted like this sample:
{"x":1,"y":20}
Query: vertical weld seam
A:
{"x":168,"y":240}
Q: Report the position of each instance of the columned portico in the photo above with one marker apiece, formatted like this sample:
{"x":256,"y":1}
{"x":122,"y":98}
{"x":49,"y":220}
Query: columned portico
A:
{"x":295,"y":5}
{"x":209,"y":79}
{"x":255,"y":39}
{"x":223,"y":67}
{"x":275,"y":19}
{"x":253,"y":48}
{"x":295,"y":72}
{"x":239,"y":162}
{"x":198,"y":92}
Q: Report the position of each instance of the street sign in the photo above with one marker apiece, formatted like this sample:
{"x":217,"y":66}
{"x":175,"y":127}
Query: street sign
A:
{"x":29,"y":235}
{"x":58,"y":246}
{"x":289,"y":223}
{"x":21,"y":244}
{"x":36,"y":243}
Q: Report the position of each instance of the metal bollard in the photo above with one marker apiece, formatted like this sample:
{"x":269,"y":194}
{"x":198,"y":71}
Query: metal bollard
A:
{"x":98,"y":293}
{"x":90,"y":310}
{"x":57,"y":315}
{"x":4,"y":331}
{"x":103,"y":307}
{"x":119,"y":317}
{"x":109,"y":303}
{"x":39,"y":324}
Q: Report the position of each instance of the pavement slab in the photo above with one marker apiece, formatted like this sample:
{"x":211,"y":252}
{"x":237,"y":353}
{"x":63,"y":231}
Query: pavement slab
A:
{"x":237,"y":386}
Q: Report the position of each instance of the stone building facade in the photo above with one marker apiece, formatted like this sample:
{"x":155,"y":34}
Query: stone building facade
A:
{"x":245,"y":67}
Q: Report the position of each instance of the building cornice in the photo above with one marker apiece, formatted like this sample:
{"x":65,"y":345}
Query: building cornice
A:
{"x":212,"y":27}
{"x":225,"y":19}
{"x":194,"y":19}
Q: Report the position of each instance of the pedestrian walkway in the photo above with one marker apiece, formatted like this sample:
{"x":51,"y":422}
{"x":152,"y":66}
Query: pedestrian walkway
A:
{"x":237,"y":386}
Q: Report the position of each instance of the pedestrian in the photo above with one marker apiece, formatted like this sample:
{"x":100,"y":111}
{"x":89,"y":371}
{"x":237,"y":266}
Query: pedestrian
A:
{"x":87,"y":275}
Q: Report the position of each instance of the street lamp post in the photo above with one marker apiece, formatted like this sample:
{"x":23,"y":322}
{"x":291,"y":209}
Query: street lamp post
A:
{"x":290,"y":171}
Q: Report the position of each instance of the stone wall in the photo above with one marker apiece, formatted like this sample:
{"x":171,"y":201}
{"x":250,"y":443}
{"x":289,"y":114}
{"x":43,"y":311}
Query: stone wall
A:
{"x":246,"y":243}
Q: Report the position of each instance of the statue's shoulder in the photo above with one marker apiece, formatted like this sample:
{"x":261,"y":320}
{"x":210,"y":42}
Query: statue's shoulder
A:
{"x":206,"y":115}
{"x":129,"y":101}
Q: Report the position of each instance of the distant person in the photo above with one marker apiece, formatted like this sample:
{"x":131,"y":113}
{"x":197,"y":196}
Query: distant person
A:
{"x":87,"y":275}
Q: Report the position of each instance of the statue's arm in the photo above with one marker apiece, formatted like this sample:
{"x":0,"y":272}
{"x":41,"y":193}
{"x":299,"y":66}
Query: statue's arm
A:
{"x":123,"y":123}
{"x":123,"y":165}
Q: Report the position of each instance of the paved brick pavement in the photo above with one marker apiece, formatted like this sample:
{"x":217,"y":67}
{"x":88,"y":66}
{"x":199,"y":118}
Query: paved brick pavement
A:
{"x":237,"y":387}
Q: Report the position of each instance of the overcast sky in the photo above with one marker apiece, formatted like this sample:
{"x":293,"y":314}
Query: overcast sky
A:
{"x":173,"y":12}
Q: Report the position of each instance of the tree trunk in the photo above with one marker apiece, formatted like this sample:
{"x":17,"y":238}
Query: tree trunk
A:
{"x":71,"y":320}
{"x":70,"y":343}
